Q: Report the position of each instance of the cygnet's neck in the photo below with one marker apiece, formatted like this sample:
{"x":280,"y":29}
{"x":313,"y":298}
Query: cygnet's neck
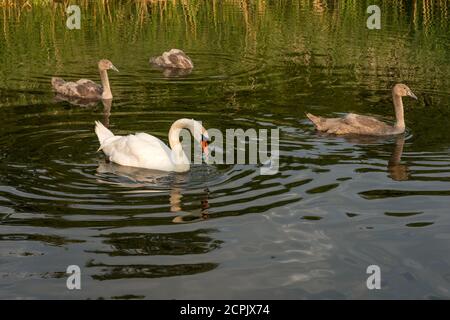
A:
{"x":399,"y":113}
{"x":105,"y":83}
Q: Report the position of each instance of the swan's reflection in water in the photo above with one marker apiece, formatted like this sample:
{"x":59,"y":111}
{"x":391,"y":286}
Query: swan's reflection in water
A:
{"x":172,"y":72}
{"x":75,"y":101}
{"x":124,"y":246}
{"x":397,"y":171}
{"x":175,"y":202}
{"x":86,"y":103}
{"x":152,"y":181}
{"x":106,"y":112}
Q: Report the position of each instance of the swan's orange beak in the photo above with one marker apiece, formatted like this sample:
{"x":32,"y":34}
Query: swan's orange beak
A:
{"x":204,"y":142}
{"x":204,"y":145}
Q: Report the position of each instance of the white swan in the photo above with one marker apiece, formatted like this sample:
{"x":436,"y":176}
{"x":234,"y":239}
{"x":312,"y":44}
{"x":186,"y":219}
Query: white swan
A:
{"x":145,"y":151}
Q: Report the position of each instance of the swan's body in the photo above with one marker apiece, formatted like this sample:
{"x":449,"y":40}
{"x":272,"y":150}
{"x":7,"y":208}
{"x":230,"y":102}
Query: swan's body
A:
{"x":365,"y":125}
{"x":174,"y":58}
{"x":145,"y":151}
{"x":353,"y":124}
{"x":86,"y":89}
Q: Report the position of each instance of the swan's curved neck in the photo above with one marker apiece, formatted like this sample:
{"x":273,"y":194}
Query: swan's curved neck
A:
{"x":175,"y":130}
{"x":399,"y":113}
{"x":105,"y":83}
{"x":174,"y":139}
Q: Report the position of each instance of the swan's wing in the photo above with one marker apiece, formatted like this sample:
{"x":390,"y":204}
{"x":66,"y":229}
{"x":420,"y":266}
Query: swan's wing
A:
{"x":366,"y":125}
{"x":152,"y":140}
{"x":86,"y":82}
{"x":109,"y":143}
{"x":64,"y":88}
{"x":351,"y":124}
{"x":179,"y":59}
{"x":88,"y":88}
{"x":357,"y":120}
{"x":174,"y":58}
{"x":85,"y":89}
{"x":140,"y":150}
{"x":325,"y":124}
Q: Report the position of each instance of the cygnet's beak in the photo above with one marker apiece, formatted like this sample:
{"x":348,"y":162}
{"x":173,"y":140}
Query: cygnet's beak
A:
{"x":114,"y":68}
{"x":412,"y":95}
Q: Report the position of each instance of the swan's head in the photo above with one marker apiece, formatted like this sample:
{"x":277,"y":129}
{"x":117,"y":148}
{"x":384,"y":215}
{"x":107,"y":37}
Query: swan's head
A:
{"x":200,"y":135}
{"x":402,"y":90}
{"x":105,"y":64}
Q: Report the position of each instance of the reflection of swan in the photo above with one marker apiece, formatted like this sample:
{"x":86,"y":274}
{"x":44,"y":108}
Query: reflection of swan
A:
{"x":175,"y":198}
{"x":106,"y":111}
{"x":87,"y":89}
{"x":191,"y":217}
{"x":145,"y":151}
{"x":364,"y":125}
{"x":139,"y":177}
{"x":174,"y":58}
{"x":107,"y":103}
{"x":397,"y":171}
{"x":80,"y":102}
{"x":174,"y":72}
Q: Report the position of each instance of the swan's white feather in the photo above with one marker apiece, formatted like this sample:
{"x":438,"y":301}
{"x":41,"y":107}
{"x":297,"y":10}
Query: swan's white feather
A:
{"x":136,"y":150}
{"x":142,"y":150}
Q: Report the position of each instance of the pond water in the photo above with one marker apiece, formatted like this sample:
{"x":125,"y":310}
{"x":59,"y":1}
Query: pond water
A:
{"x":336,"y":206}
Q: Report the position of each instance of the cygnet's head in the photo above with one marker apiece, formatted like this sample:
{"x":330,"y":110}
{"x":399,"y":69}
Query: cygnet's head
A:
{"x":402,"y":90}
{"x":105,"y":64}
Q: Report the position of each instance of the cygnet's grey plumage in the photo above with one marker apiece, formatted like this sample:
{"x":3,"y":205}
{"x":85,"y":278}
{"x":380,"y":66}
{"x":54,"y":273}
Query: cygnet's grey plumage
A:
{"x":175,"y":58}
{"x":84,"y":88}
{"x":365,"y":125}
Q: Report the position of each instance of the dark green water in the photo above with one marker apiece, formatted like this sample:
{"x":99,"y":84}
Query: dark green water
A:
{"x":337,"y":205}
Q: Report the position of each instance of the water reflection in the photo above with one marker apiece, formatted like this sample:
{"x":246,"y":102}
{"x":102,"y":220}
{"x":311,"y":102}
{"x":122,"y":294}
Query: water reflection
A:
{"x":106,"y":111}
{"x":173,"y":72}
{"x":138,"y":177}
{"x":201,"y":214}
{"x":75,"y":101}
{"x":198,"y":241}
{"x":115,"y":272}
{"x":398,"y":171}
{"x":144,"y":181}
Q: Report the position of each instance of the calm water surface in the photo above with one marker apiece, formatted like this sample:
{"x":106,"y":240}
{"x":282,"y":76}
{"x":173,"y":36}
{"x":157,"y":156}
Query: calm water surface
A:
{"x":336,"y":206}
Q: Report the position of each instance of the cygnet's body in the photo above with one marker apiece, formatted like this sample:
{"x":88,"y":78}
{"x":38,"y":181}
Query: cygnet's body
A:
{"x":365,"y":125}
{"x":175,"y":58}
{"x":84,"y":88}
